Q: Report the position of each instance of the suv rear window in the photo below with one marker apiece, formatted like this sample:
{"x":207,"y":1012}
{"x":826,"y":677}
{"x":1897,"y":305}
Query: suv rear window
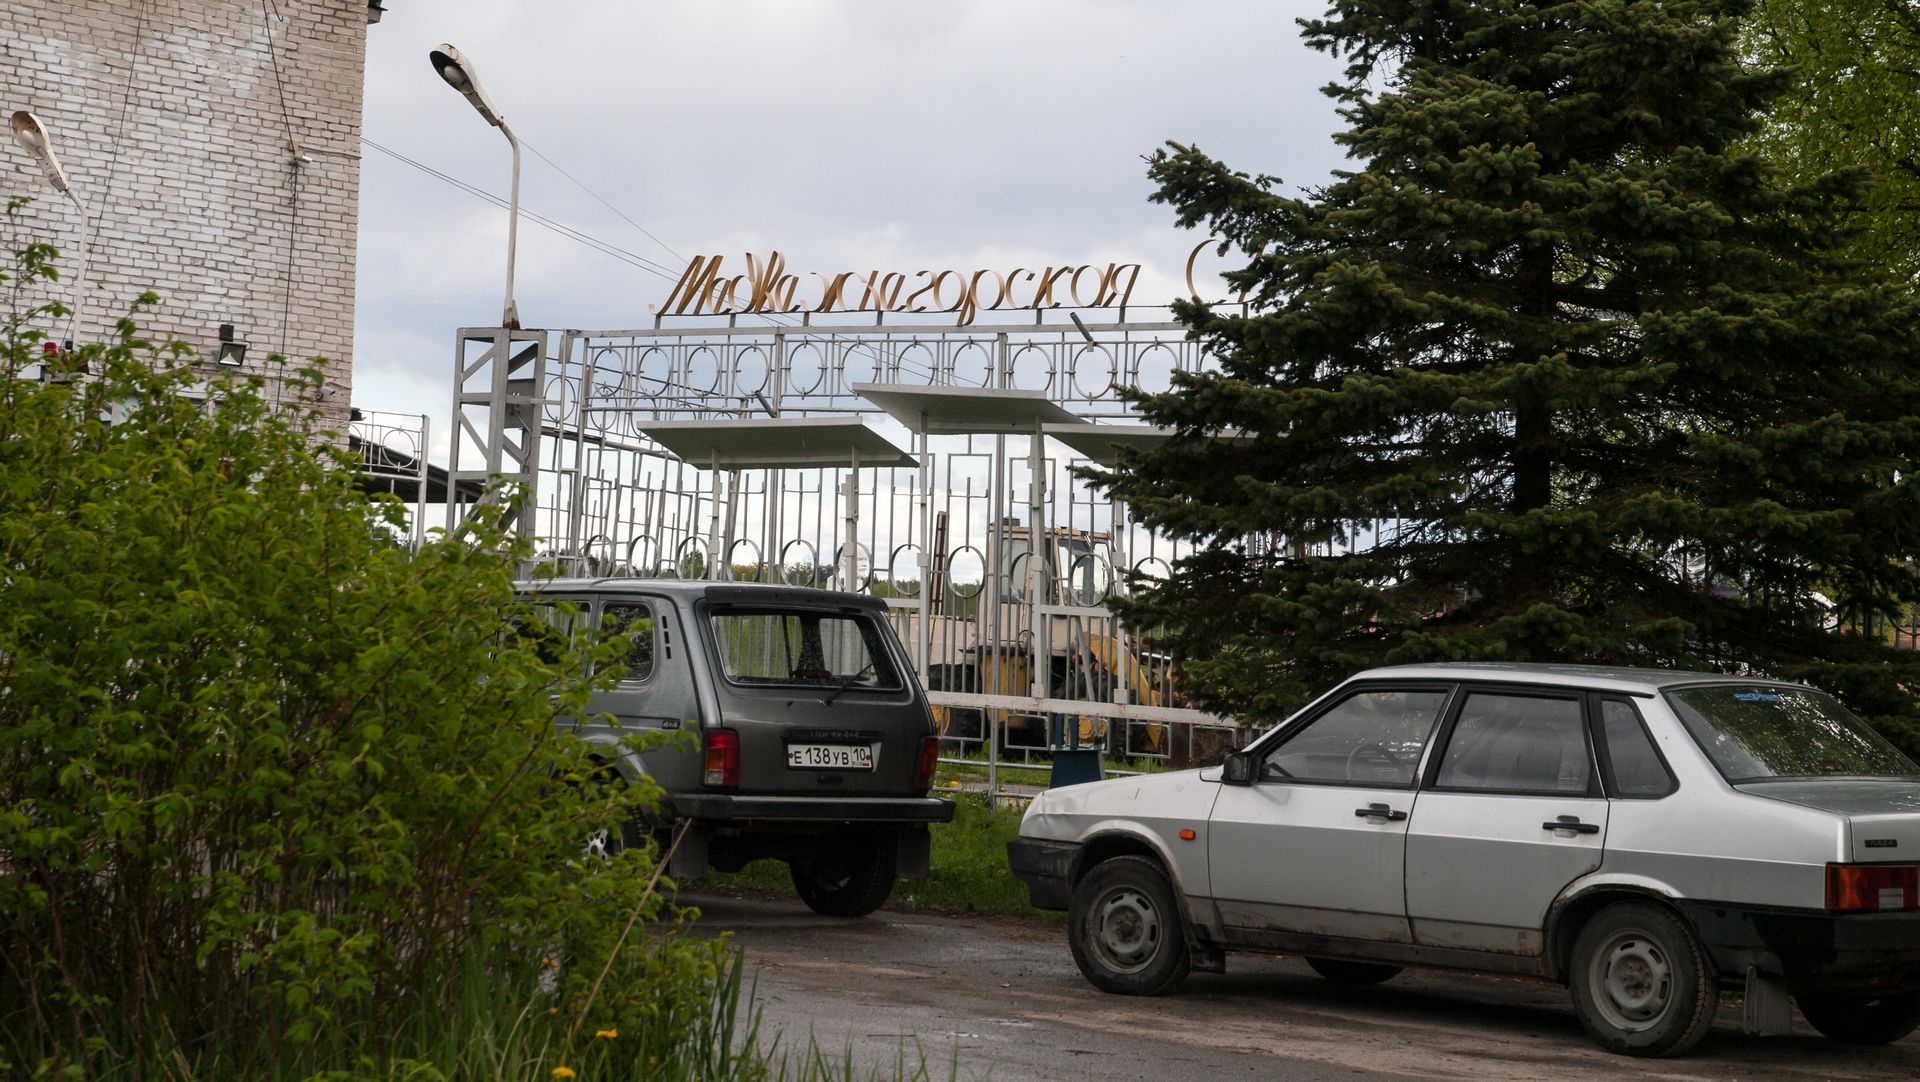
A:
{"x":802,"y":647}
{"x":1757,"y":732}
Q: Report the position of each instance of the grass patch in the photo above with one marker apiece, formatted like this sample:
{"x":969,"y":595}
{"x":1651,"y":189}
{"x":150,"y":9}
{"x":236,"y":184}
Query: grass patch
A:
{"x":968,"y":871}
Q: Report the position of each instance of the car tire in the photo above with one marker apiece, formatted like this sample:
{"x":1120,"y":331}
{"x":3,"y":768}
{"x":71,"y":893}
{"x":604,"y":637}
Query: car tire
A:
{"x":1352,"y":973}
{"x":851,"y":888}
{"x":1641,"y":984}
{"x":1853,"y":1019}
{"x":1125,"y":928}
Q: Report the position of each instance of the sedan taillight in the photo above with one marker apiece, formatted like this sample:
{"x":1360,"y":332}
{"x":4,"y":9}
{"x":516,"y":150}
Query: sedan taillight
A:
{"x":1872,"y":888}
{"x":929,"y":759}
{"x":723,"y":758}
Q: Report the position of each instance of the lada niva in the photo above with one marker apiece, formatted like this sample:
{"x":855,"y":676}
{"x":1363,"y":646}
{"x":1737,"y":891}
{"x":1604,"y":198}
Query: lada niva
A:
{"x":812,"y":741}
{"x":1646,"y":837}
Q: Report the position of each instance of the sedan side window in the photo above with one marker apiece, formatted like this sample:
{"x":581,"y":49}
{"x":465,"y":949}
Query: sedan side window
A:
{"x":1517,"y":744}
{"x":1635,"y":768}
{"x":635,"y":619}
{"x":1370,"y":738}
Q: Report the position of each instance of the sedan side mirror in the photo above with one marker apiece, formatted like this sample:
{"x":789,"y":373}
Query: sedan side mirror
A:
{"x":1241,"y":768}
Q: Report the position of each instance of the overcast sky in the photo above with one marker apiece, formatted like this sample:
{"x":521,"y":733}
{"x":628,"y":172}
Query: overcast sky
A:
{"x":850,"y":135}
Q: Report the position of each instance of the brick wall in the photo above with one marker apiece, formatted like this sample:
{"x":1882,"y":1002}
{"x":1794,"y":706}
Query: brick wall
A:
{"x":170,"y":123}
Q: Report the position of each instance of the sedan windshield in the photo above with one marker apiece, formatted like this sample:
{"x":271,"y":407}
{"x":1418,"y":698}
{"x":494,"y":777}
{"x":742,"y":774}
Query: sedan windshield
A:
{"x":1757,"y":732}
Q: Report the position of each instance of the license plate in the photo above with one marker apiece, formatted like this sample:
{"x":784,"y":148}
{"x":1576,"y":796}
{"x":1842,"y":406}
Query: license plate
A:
{"x":830,"y":756}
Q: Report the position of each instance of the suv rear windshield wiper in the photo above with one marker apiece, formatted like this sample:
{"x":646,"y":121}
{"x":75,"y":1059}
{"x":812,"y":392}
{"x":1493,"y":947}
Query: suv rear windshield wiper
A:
{"x":845,"y":683}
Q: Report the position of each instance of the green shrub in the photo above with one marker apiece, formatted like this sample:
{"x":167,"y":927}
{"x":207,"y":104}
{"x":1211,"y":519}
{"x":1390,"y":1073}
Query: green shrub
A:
{"x":278,"y":796}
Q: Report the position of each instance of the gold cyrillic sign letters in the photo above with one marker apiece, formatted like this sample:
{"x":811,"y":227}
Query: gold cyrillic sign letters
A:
{"x":768,"y":288}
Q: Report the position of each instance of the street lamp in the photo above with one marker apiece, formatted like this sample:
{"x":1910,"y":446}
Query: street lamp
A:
{"x":459,"y":73}
{"x":32,"y":137}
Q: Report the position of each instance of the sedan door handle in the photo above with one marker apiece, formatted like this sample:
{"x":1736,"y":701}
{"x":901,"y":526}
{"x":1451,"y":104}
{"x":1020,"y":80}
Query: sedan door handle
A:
{"x":1573,"y":823}
{"x":1380,"y":811}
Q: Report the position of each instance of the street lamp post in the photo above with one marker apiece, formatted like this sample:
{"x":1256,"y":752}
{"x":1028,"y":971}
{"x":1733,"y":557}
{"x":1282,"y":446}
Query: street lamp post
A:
{"x":32,"y":136}
{"x":459,"y":73}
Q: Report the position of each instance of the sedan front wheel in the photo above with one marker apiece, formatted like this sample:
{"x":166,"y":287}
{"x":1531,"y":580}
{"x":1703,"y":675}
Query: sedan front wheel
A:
{"x":1125,"y":928}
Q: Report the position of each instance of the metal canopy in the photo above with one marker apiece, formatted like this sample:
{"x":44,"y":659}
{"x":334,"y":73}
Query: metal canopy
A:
{"x":1100,"y":444}
{"x":965,"y":411}
{"x":777,"y":443}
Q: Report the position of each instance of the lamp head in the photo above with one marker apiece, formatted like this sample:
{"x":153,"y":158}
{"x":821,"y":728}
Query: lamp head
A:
{"x":459,"y":73}
{"x":33,"y":138}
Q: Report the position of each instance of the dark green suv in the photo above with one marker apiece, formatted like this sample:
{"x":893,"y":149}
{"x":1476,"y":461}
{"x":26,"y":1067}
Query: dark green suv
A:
{"x":815,"y":744}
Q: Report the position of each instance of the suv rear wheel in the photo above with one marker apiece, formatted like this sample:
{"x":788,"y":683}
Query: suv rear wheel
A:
{"x":852,"y":884}
{"x":1861,"y":1019}
{"x":1641,"y":985}
{"x":1125,"y":928}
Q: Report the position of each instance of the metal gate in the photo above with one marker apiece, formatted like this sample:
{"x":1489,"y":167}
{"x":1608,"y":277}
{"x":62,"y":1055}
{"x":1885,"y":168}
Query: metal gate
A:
{"x":932,"y":466}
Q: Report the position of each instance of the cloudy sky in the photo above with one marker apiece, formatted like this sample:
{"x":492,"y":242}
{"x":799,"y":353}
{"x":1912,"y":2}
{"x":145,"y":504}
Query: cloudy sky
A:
{"x":848,"y":134}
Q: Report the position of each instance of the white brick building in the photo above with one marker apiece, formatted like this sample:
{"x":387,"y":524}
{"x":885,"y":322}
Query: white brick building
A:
{"x":177,"y":121}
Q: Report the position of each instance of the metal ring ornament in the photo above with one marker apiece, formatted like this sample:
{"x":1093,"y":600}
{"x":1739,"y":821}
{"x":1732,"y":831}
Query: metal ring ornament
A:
{"x":861,"y":554}
{"x":804,"y":380}
{"x":1014,"y":368}
{"x":702,"y":355}
{"x":684,"y":554}
{"x":893,"y":571}
{"x":984,"y":367}
{"x":750,"y":371}
{"x":755,"y":563}
{"x":1077,"y":363}
{"x":953,"y":585}
{"x":652,"y":565}
{"x":812,"y":564}
{"x":1102,"y":574}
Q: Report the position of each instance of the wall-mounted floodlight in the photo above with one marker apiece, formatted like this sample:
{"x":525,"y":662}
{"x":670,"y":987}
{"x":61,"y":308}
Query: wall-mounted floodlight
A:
{"x":34,"y":138}
{"x":231,"y":353}
{"x":459,"y":73}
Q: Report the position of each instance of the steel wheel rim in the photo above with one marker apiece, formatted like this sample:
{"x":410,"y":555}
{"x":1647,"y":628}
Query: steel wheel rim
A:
{"x":1126,"y":929}
{"x":1632,"y":981}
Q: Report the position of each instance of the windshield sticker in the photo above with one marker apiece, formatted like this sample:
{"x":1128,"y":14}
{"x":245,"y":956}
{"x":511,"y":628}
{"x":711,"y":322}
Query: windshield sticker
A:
{"x":1757,"y":696}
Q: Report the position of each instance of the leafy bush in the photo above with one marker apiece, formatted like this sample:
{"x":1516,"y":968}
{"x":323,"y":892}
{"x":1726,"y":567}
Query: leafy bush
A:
{"x":278,"y":796}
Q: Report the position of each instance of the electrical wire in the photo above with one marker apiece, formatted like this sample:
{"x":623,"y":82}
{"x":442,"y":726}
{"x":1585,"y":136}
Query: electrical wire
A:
{"x":631,"y":258}
{"x":268,"y":13}
{"x":603,"y":202}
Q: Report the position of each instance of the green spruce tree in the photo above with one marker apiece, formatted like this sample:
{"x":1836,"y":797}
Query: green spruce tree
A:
{"x":1564,"y":370}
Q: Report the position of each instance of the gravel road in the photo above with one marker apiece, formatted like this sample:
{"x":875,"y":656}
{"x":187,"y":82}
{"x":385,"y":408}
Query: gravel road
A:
{"x":1002,"y":995}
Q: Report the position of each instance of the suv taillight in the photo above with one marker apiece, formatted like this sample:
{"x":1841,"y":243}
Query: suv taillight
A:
{"x":1872,"y":888}
{"x":929,"y":759}
{"x":723,"y":758}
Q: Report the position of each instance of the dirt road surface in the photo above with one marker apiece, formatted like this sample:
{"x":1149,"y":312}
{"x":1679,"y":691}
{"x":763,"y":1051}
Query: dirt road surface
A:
{"x":1004,"y":995}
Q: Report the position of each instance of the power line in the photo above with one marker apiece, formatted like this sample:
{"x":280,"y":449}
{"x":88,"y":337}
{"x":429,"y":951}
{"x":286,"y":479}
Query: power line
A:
{"x":268,"y":12}
{"x":583,"y":187}
{"x":631,"y":258}
{"x":605,"y":248}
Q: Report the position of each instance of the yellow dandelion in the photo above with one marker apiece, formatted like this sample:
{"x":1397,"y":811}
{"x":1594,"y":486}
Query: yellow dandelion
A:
{"x":549,"y":963}
{"x":609,"y":1034}
{"x":553,"y":1010}
{"x":563,"y":1072}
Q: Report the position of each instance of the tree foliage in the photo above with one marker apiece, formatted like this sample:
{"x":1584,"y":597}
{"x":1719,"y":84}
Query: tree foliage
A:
{"x":1564,"y":369}
{"x":1855,"y":103}
{"x":275,"y":790}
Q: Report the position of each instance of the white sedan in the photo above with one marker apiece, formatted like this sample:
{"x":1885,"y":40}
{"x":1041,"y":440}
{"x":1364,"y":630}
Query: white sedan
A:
{"x":1646,"y":837}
